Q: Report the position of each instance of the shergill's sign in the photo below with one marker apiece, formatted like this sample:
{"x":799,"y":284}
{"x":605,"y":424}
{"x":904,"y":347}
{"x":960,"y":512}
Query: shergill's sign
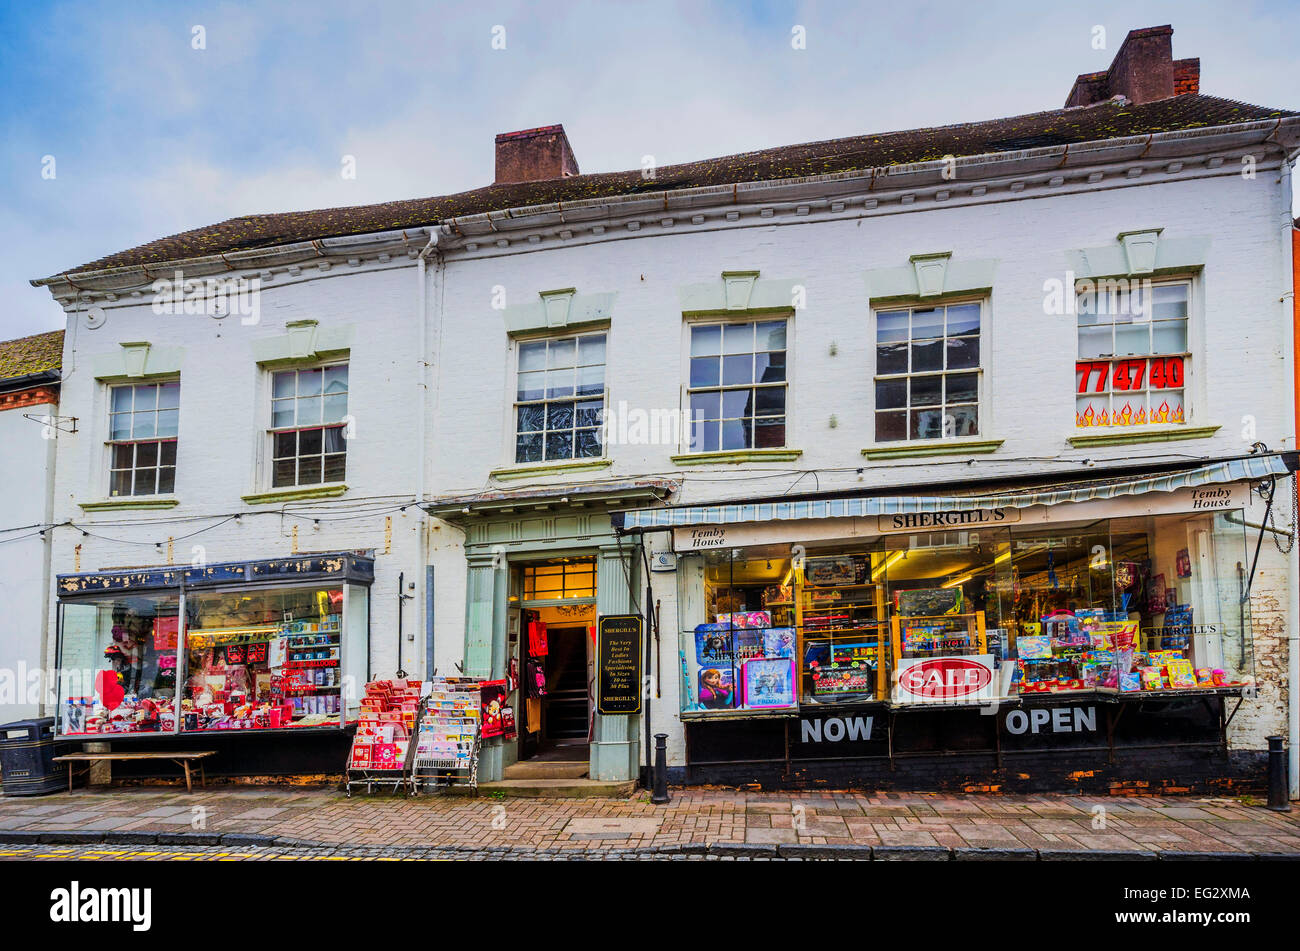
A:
{"x":618,"y":663}
{"x":938,"y":521}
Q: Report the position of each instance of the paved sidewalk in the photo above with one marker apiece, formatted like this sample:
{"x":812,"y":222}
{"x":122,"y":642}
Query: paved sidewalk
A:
{"x":725,"y":819}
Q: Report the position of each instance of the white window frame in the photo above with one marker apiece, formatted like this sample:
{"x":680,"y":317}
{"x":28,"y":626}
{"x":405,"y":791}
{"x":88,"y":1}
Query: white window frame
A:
{"x":271,"y":431}
{"x":749,"y":318}
{"x":983,"y":413}
{"x":513,"y":402}
{"x":111,"y":444}
{"x":1189,"y":368}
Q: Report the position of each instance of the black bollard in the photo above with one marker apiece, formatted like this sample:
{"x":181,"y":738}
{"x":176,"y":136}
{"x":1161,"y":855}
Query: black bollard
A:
{"x":1278,"y":799}
{"x":660,"y":794}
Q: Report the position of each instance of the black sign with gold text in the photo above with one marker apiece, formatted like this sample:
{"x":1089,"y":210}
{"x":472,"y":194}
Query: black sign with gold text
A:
{"x":618,"y":663}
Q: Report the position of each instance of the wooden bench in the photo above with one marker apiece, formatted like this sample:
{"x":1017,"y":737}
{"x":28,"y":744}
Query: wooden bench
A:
{"x":180,"y":759}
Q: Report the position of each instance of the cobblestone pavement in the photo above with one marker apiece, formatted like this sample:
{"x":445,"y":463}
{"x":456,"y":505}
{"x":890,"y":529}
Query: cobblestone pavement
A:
{"x":705,"y":822}
{"x":216,"y":853}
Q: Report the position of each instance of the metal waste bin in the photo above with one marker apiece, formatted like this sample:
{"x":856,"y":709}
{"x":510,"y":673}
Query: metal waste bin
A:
{"x":27,"y":766}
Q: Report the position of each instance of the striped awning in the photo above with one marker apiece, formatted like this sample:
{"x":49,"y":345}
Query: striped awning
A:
{"x":1233,"y":470}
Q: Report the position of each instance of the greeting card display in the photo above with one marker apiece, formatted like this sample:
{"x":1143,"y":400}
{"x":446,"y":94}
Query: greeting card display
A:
{"x":498,"y":717}
{"x":165,"y":630}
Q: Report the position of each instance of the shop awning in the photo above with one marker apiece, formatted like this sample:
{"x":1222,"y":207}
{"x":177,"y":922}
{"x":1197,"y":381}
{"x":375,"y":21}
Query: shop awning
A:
{"x":1232,"y":470}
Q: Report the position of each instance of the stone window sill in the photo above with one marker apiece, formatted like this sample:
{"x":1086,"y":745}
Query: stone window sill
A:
{"x":1136,"y":435}
{"x":295,"y":494}
{"x":507,"y":473}
{"x":922,"y":447}
{"x":132,"y":502}
{"x":735,"y":457}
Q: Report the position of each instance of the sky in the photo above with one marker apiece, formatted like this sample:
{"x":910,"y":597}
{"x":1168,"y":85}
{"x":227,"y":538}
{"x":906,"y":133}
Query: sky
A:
{"x":125,"y":122}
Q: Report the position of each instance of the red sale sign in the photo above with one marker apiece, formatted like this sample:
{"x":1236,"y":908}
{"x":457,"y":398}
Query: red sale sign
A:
{"x":940,"y":679}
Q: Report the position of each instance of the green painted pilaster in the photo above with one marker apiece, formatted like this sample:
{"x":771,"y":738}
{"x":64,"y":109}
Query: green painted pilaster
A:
{"x":485,"y":640}
{"x":616,"y":749}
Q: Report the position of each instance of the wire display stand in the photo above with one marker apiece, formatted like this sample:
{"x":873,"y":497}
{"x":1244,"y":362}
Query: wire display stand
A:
{"x":447,"y":740}
{"x":381,"y":778}
{"x":383,"y":747}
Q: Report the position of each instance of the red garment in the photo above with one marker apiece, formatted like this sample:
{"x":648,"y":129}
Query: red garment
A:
{"x":537,"y":639}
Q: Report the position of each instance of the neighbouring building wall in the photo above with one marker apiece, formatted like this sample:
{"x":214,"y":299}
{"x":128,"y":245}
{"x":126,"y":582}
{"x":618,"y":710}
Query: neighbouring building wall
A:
{"x":369,"y":314}
{"x":24,"y":554}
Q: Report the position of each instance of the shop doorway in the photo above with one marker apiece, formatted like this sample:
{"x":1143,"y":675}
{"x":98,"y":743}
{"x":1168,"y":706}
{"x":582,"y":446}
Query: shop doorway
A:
{"x":554,"y":653}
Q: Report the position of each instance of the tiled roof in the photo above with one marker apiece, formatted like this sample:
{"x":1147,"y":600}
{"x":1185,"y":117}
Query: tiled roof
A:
{"x":28,"y":355}
{"x":1105,"y":120}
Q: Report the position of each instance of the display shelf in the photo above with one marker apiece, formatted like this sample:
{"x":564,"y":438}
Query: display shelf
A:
{"x":446,"y":740}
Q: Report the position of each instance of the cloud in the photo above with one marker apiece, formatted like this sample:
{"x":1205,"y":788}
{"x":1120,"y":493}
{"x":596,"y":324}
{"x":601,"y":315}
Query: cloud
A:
{"x":153,"y":136}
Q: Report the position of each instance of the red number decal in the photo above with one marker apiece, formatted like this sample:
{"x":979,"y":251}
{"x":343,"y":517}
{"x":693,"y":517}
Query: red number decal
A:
{"x":1119,"y":376}
{"x":1174,"y":371}
{"x":1139,"y":371}
{"x":1083,"y":371}
{"x":1103,"y":369}
{"x":1157,"y":374}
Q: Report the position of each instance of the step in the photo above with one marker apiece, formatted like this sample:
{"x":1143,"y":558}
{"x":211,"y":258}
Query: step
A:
{"x":547,"y":769}
{"x":560,"y":788}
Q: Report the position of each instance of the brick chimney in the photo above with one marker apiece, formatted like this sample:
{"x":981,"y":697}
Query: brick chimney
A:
{"x":534,"y":155}
{"x":1143,"y":70}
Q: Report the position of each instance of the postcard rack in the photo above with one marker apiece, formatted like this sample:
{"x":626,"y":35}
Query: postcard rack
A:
{"x":371,"y":778}
{"x":446,"y":747}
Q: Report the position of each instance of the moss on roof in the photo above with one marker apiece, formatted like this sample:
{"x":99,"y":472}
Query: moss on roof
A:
{"x":1105,"y":120}
{"x":28,"y":355}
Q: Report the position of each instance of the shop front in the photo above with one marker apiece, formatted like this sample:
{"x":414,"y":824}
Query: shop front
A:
{"x":1077,"y":635}
{"x":544,"y":567}
{"x":262,"y":661}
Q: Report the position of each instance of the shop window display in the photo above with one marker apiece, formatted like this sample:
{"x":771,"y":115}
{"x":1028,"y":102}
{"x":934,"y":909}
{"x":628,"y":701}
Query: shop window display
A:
{"x":1127,"y":605}
{"x":263,"y":659}
{"x":743,"y":657}
{"x":118,"y":664}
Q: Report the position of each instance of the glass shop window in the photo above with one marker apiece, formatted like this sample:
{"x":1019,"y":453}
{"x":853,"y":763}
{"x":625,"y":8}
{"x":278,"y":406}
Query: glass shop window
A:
{"x":947,"y":595}
{"x":744,"y":655}
{"x":1153,"y":603}
{"x":117,"y":664}
{"x":263,"y":659}
{"x":563,"y":578}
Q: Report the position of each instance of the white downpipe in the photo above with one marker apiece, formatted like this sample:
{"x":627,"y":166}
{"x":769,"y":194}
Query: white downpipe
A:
{"x":422,"y":450}
{"x":1293,"y":661}
{"x":1293,"y":559}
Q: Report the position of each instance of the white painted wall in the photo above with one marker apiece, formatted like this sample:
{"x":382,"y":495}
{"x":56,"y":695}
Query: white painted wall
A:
{"x":223,"y":394}
{"x":28,"y":465}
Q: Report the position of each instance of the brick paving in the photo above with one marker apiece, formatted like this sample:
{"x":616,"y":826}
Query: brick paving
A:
{"x":697,"y":820}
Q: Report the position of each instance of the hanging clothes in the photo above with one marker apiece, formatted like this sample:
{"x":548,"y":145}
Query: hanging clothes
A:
{"x":532,"y":715}
{"x":535,"y":678}
{"x":537,"y":639}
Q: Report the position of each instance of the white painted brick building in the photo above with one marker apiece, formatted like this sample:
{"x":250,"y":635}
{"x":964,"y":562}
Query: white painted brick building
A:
{"x":431,"y":316}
